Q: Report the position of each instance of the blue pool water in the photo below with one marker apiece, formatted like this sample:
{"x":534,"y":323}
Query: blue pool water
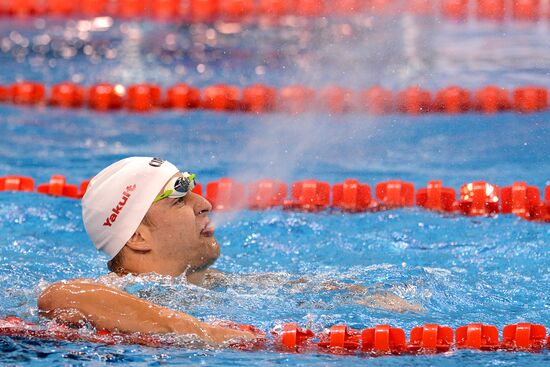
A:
{"x":460,"y":270}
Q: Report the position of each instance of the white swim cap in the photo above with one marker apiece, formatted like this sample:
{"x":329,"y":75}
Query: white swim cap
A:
{"x":118,"y":198}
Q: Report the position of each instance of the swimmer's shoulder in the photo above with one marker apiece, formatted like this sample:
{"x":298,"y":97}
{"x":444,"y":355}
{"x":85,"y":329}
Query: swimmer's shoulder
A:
{"x":107,"y":278}
{"x":117,"y":281}
{"x":110,"y":279}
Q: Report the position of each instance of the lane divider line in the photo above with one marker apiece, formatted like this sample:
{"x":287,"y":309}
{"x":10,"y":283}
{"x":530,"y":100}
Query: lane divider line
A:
{"x":477,"y":198}
{"x":293,"y":99}
{"x":379,"y":340}
{"x":247,"y":11}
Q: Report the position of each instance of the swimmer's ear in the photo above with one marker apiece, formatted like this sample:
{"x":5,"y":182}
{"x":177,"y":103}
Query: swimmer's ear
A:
{"x":139,"y":241}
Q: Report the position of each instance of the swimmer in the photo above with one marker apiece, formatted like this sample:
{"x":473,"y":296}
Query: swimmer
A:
{"x":142,"y":212}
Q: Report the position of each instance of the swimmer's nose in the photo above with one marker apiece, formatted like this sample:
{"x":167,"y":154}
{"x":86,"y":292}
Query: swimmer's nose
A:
{"x":205,"y":206}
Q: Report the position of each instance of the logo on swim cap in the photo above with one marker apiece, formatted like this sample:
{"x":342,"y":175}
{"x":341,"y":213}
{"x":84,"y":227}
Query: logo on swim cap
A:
{"x":116,"y":210}
{"x":156,"y":162}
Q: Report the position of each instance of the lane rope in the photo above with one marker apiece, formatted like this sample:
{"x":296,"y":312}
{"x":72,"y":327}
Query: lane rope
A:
{"x":294,"y":99}
{"x":207,"y":11}
{"x":477,"y":198}
{"x":338,"y":339}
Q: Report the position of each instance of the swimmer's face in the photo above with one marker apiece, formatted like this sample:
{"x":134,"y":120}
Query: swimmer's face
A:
{"x":181,"y":234}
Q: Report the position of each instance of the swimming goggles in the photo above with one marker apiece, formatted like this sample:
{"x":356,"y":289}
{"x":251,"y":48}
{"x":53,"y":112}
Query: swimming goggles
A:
{"x":177,"y":187}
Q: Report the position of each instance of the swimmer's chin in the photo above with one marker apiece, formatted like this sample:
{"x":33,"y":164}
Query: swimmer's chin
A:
{"x":213,"y":248}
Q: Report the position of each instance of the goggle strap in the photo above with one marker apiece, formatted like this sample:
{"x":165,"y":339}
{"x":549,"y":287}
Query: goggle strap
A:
{"x":164,"y":195}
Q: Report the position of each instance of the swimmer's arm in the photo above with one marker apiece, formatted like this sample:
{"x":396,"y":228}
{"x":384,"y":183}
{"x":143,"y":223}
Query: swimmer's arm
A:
{"x":390,"y":302}
{"x":375,"y":299}
{"x":79,"y":301}
{"x":369,"y":295}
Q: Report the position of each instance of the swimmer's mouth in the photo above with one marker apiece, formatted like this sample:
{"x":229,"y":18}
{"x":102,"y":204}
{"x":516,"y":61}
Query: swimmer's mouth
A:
{"x":208,"y":230}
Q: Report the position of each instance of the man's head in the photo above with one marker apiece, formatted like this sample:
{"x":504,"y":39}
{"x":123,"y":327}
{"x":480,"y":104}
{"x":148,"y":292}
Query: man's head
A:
{"x":139,"y":212}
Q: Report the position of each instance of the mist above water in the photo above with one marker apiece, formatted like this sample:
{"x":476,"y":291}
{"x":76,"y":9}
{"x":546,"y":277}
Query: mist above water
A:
{"x":321,"y":54}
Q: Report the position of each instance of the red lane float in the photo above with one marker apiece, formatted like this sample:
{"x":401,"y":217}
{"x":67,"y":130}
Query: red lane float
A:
{"x":430,"y":338}
{"x":340,"y":339}
{"x":479,"y":198}
{"x":198,"y":189}
{"x":310,"y":8}
{"x":293,"y":337}
{"x":58,"y":187}
{"x":420,"y":7}
{"x":383,"y":7}
{"x":236,"y":10}
{"x":183,"y":96}
{"x":165,"y":9}
{"x":452,"y":100}
{"x":477,"y":336}
{"x":29,"y":93}
{"x":106,"y":96}
{"x":526,"y":9}
{"x":414,"y":100}
{"x":296,"y":99}
{"x":83,"y":187}
{"x":524,"y":336}
{"x":383,"y":339}
{"x":377,"y":100}
{"x":395,"y":193}
{"x":265,"y":194}
{"x":530,"y":99}
{"x":226,"y":194}
{"x":293,"y":99}
{"x":309,"y":195}
{"x":352,"y":196}
{"x":436,"y":197}
{"x":130,"y":8}
{"x":544,"y":208}
{"x":143,"y":97}
{"x":23,"y":8}
{"x":60,"y":7}
{"x":17,"y":183}
{"x":345,"y":7}
{"x":337,"y":99}
{"x":93,"y":8}
{"x":521,"y":200}
{"x":4,"y":93}
{"x":221,"y":97}
{"x":491,"y":9}
{"x":259,"y":98}
{"x":274,"y":8}
{"x":492,"y":99}
{"x":203,"y":10}
{"x":454,"y":9}
{"x":67,"y":95}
